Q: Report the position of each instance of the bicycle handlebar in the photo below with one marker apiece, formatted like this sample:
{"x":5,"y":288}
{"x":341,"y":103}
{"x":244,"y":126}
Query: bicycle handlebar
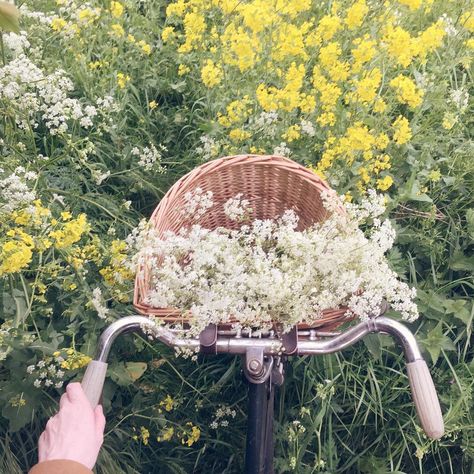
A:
{"x":422,"y":387}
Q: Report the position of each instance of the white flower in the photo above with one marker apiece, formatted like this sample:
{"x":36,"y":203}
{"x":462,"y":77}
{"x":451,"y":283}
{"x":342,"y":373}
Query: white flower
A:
{"x":30,"y":369}
{"x":37,"y":383}
{"x":282,"y":150}
{"x":98,"y":303}
{"x":150,"y":157}
{"x":460,"y":98}
{"x":308,"y":128}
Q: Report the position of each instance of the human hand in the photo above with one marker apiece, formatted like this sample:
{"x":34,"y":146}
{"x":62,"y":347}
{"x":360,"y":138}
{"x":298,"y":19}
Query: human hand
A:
{"x":76,"y":432}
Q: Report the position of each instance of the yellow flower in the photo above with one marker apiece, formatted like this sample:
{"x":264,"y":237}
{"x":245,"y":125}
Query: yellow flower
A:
{"x":131,"y":38}
{"x":467,"y":20}
{"x":122,"y":80}
{"x":400,"y":45}
{"x":402,"y":133}
{"x":14,"y":256}
{"x":145,"y":435}
{"x":367,"y":87}
{"x":146,"y":48}
{"x":363,"y":52}
{"x":356,"y":13}
{"x":116,"y":9}
{"x":407,"y":92}
{"x":238,"y":135}
{"x":66,"y":215}
{"x":183,"y":69}
{"x":71,"y":232}
{"x":152,"y":104}
{"x":167,"y":33}
{"x":434,"y":175}
{"x":167,"y":403}
{"x":166,"y":435}
{"x":380,"y":105}
{"x":117,"y":30}
{"x":293,"y":133}
{"x":449,"y":120}
{"x":412,"y":4}
{"x":211,"y":74}
{"x":57,"y":24}
{"x":177,"y":8}
{"x":384,"y":183}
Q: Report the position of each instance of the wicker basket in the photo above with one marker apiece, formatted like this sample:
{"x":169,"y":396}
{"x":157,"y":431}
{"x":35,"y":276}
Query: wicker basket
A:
{"x":272,"y":184}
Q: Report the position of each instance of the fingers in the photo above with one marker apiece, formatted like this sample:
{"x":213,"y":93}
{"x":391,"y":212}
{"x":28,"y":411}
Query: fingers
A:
{"x":75,"y":393}
{"x":64,"y":401}
{"x":99,"y":421}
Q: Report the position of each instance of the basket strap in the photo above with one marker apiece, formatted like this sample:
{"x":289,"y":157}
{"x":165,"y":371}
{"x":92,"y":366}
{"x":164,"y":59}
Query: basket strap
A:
{"x":208,"y":339}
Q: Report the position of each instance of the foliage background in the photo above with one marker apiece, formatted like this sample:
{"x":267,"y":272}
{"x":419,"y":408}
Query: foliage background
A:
{"x":192,"y":79}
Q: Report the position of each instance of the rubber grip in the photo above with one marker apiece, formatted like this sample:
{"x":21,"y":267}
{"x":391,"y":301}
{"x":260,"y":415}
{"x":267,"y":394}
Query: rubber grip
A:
{"x":93,"y":381}
{"x":425,"y":399}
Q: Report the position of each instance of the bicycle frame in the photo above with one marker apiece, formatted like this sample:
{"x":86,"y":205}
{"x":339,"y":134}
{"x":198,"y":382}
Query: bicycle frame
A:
{"x":262,"y":367}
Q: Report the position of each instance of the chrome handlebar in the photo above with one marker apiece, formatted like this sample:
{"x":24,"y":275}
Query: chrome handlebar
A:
{"x":232,"y":342}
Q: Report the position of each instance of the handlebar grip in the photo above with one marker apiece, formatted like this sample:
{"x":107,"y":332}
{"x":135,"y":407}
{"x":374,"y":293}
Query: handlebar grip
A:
{"x":93,"y":381}
{"x":425,"y":399}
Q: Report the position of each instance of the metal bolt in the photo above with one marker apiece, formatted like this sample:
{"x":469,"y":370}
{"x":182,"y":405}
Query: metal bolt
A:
{"x":255,"y":366}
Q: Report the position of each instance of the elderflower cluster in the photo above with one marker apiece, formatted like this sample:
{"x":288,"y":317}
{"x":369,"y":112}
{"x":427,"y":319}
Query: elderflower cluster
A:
{"x":149,"y":157}
{"x":14,"y":189}
{"x":222,"y":416}
{"x":38,"y":96}
{"x":47,"y":372}
{"x":269,"y":272}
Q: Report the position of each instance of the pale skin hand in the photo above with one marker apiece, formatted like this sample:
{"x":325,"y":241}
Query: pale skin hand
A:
{"x":76,"y":432}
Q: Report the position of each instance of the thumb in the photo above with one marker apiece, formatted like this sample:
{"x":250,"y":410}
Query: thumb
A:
{"x":99,"y":421}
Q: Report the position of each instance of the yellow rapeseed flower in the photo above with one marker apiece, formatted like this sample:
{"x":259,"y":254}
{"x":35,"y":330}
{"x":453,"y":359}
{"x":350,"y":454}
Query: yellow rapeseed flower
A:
{"x":57,"y":24}
{"x":122,"y":79}
{"x":402,"y":131}
{"x":116,"y":9}
{"x":407,"y":92}
{"x":211,"y":74}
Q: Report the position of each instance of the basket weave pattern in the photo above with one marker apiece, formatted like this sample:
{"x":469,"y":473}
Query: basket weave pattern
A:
{"x":272,"y":184}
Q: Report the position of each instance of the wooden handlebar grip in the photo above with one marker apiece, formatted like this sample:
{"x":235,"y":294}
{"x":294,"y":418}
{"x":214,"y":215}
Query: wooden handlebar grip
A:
{"x":425,"y":399}
{"x":93,"y":381}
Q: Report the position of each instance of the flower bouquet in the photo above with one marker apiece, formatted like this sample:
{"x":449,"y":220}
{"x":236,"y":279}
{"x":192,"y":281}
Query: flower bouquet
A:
{"x":258,"y":273}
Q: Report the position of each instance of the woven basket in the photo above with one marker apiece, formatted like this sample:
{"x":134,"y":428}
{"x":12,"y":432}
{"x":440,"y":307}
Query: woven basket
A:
{"x":272,"y":184}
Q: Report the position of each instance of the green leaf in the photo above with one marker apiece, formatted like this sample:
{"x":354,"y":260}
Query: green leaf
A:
{"x":459,"y":309}
{"x":125,"y":373}
{"x":135,"y":369}
{"x":9,"y":15}
{"x":435,"y":341}
{"x":460,"y":262}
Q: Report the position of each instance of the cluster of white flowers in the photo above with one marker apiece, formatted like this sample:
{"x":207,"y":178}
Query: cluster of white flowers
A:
{"x":308,"y":128}
{"x":40,"y":17}
{"x":208,"y":149}
{"x":14,"y":189}
{"x":150,"y":157}
{"x":197,"y":203}
{"x":40,"y":96}
{"x":268,"y":272}
{"x":98,"y":303}
{"x":266,"y":123}
{"x":460,"y":98}
{"x":237,"y":208}
{"x":47,"y":374}
{"x":282,"y":150}
{"x":222,"y":416}
{"x":16,"y":43}
{"x":448,"y":25}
